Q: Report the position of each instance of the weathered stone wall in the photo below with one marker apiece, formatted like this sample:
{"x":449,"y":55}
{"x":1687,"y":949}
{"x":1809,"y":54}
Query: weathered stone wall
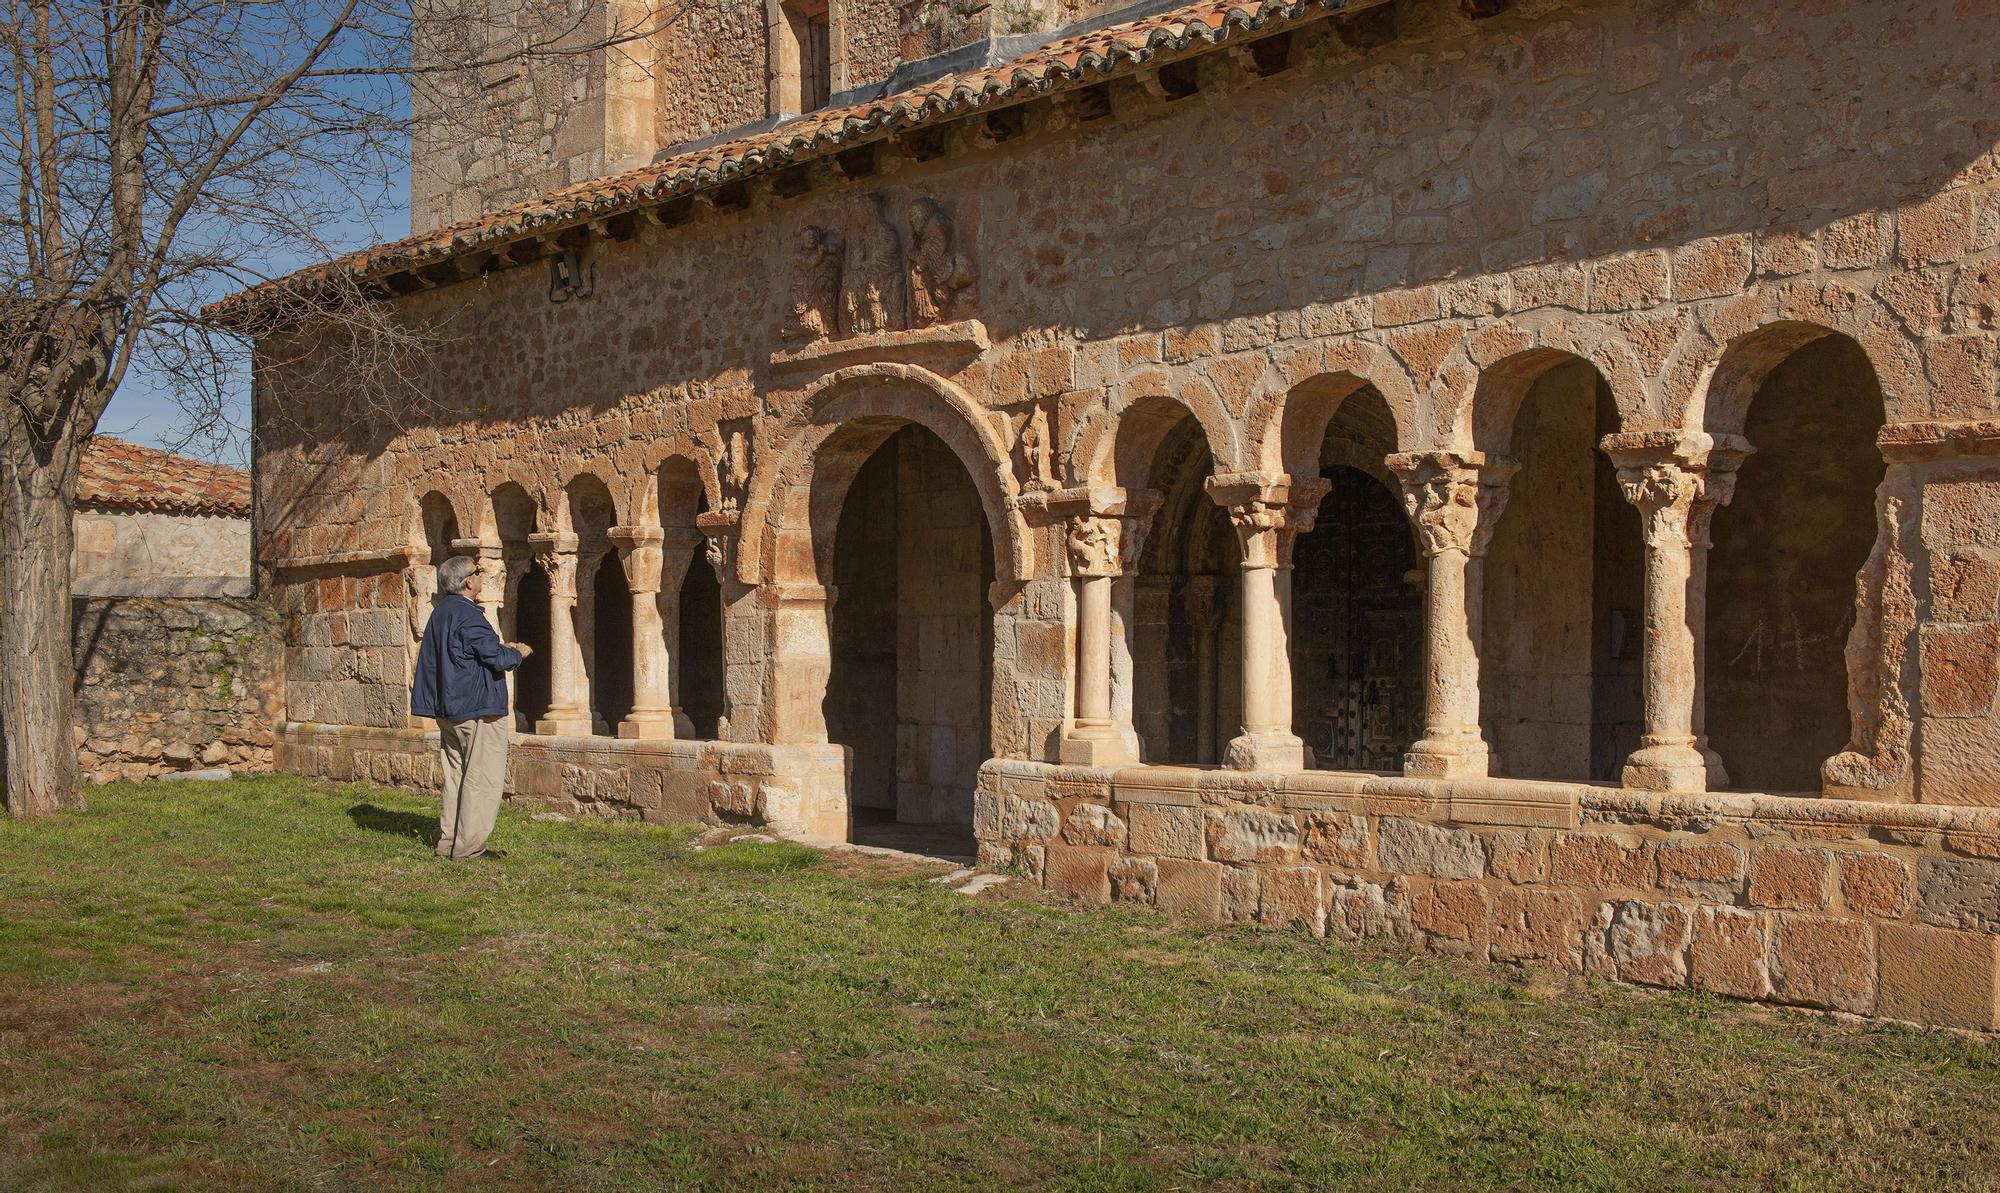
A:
{"x":710,"y":66}
{"x":145,"y":553}
{"x":174,"y":685}
{"x":1847,"y":907}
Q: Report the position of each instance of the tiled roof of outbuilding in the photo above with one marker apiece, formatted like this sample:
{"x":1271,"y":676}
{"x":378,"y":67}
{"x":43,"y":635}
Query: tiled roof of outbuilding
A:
{"x":115,"y":474}
{"x":1071,"y":62}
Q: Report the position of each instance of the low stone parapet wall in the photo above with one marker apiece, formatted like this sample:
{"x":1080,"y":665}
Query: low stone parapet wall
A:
{"x":1872,"y":909}
{"x":800,"y":790}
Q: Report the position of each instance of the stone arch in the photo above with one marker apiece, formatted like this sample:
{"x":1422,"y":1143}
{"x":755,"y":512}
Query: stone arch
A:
{"x":1485,"y":418}
{"x":436,"y":524}
{"x":1286,"y":427}
{"x":1559,"y":660}
{"x":582,"y":495}
{"x":1799,"y":635}
{"x":690,"y":450}
{"x":1719,"y":365}
{"x":510,"y":513}
{"x":1142,"y":419}
{"x":787,"y":527}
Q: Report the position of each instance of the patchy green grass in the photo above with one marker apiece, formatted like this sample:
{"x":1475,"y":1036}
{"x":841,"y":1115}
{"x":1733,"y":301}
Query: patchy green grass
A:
{"x":270,"y":985}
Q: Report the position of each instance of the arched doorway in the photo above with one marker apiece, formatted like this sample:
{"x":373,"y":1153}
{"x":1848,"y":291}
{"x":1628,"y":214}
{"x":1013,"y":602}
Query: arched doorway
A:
{"x":911,"y":642}
{"x":1357,"y":603}
{"x":1782,"y":570}
{"x":1185,"y":630}
{"x":611,"y":644}
{"x":1563,"y":583}
{"x":530,"y":606}
{"x":524,"y":609}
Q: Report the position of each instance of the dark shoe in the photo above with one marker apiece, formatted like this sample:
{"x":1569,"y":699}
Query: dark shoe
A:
{"x":491,"y":855}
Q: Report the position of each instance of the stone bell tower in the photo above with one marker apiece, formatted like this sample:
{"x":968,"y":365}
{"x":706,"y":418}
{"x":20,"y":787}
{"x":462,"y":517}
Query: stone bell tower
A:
{"x":515,"y":98}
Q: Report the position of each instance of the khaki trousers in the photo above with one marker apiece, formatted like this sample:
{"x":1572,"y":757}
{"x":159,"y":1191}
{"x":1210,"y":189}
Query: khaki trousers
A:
{"x":473,"y":758}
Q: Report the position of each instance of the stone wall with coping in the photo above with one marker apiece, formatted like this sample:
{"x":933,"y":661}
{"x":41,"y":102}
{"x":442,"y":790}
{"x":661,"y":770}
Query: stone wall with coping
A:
{"x":167,"y":685}
{"x":1859,"y":908}
{"x":798,"y":790}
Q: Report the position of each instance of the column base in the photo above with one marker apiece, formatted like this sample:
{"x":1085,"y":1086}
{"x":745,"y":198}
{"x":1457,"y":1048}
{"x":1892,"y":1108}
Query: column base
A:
{"x":1448,"y":758}
{"x":566,"y":723}
{"x":652,"y":725}
{"x":683,"y":726}
{"x":1098,"y":745}
{"x":1268,"y":751}
{"x":1666,"y":766}
{"x":1718,"y":774}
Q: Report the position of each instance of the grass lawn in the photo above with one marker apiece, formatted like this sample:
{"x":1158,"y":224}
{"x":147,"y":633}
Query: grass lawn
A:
{"x":270,"y":984}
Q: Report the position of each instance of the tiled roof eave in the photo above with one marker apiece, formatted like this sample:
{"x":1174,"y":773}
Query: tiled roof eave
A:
{"x":1070,"y":64}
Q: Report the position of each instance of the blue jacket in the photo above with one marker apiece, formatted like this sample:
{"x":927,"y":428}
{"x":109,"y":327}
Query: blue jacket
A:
{"x":460,"y":665}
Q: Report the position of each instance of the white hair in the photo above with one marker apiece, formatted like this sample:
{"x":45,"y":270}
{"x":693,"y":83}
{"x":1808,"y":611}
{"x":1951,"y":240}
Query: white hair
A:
{"x":454,"y":572}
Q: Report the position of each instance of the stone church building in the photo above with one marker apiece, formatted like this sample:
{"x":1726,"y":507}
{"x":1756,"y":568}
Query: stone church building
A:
{"x":1521,"y":479}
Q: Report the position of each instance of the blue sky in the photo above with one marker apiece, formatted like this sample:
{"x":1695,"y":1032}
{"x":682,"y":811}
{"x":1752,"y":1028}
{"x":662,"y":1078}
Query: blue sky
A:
{"x":144,"y":411}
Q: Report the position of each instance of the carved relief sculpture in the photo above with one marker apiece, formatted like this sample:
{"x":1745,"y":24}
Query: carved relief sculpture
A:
{"x":942,"y":280}
{"x":733,"y":471}
{"x":1031,"y":451}
{"x":817,"y":265}
{"x":875,"y":290}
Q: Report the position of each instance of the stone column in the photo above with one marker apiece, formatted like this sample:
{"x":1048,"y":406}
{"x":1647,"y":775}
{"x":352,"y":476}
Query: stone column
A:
{"x":569,"y":694}
{"x":1103,"y":540}
{"x":1268,"y":514}
{"x":639,"y":553}
{"x":1455,"y":499}
{"x":1092,"y":739}
{"x":1666,"y":475}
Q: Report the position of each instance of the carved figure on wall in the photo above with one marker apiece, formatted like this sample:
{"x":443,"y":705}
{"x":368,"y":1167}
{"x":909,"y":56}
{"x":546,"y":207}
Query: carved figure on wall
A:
{"x":942,"y":280}
{"x":734,"y":471}
{"x":874,"y":288}
{"x":817,"y":265}
{"x":1032,"y":452}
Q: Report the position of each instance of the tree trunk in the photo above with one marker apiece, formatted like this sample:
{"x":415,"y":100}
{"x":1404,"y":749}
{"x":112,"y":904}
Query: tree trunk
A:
{"x":36,"y":666}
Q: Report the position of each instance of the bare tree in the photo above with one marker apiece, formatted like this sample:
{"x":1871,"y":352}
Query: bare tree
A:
{"x":171,"y":151}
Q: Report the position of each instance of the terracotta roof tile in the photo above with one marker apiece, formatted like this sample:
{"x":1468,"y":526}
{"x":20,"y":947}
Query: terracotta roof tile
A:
{"x":118,"y":475}
{"x":1068,"y":63}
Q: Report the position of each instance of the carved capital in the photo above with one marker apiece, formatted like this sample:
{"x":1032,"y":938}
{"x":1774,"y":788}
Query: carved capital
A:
{"x":1455,"y":498}
{"x":1268,"y":513}
{"x":720,"y":530}
{"x":1663,"y":491}
{"x":1676,"y":479}
{"x":1107,"y":527}
{"x":557,"y":555}
{"x":1096,"y":545}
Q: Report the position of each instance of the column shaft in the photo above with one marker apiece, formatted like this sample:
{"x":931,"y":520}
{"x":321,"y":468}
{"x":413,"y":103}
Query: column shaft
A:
{"x":1664,"y":482}
{"x":569,"y":695}
{"x":1455,"y":499}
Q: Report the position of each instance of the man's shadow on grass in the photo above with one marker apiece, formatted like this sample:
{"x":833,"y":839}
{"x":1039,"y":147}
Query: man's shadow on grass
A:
{"x":421,"y":829}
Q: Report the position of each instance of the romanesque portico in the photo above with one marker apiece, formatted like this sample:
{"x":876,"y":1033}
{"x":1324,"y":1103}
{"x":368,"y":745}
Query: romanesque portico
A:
{"x":1350,"y":465}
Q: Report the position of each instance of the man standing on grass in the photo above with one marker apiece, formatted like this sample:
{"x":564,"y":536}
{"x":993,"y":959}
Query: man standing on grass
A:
{"x":461,"y":681}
